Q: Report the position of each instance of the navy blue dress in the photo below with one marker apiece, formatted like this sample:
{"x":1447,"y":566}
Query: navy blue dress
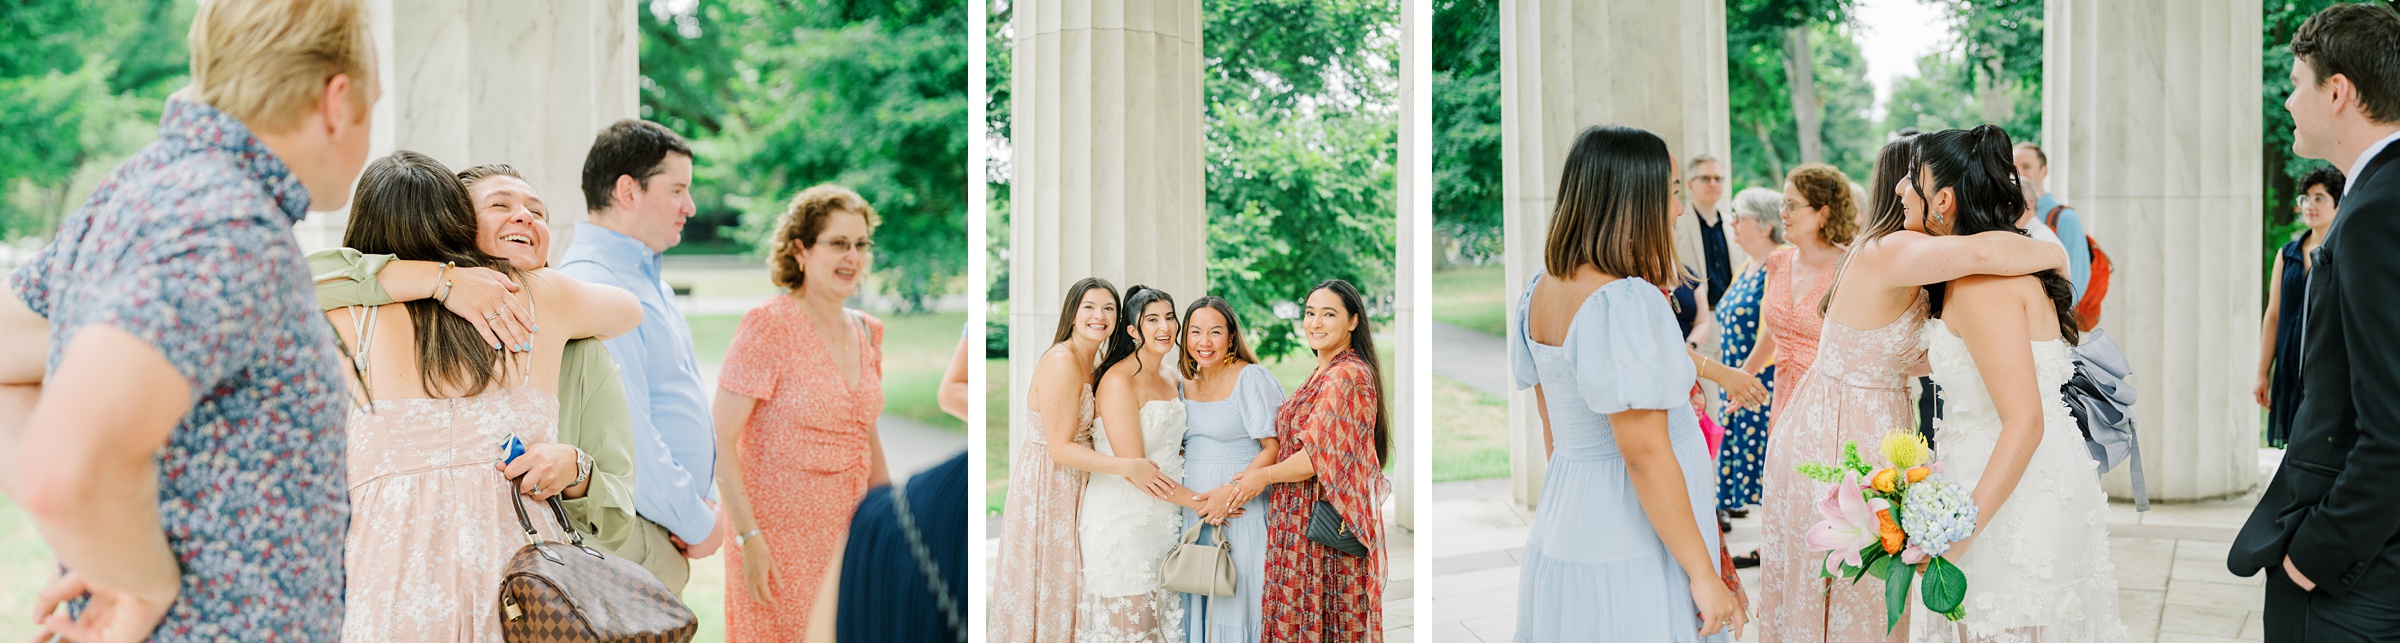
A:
{"x":885,"y":595}
{"x":2283,"y":393}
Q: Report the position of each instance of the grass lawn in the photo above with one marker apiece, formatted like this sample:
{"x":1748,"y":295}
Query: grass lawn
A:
{"x":916,"y":350}
{"x":1472,"y":297}
{"x":995,"y":433}
{"x":1470,"y":433}
{"x":1291,"y":371}
{"x":24,"y":566}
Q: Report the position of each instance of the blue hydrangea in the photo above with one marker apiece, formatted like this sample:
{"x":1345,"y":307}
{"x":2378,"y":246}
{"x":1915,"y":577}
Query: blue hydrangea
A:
{"x":1936,"y":512}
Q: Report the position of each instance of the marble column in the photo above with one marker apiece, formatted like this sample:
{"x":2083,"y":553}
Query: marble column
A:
{"x":2151,"y":116}
{"x":522,"y":82}
{"x":1409,"y":387}
{"x":1566,"y":65}
{"x":1105,"y":163}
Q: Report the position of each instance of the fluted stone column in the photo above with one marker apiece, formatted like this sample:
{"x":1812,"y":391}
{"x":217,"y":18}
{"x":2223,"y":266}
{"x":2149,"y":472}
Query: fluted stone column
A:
{"x":1105,"y":165}
{"x":523,"y":82}
{"x":2151,"y":112}
{"x":1408,"y":387}
{"x":1570,"y":64}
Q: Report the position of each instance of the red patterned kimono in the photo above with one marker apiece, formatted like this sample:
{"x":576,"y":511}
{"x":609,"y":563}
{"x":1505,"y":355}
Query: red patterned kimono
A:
{"x":1314,"y":593}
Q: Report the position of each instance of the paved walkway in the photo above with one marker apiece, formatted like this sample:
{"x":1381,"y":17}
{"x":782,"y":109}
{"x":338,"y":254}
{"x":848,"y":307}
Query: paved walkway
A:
{"x":1399,"y":613}
{"x":1471,"y":357}
{"x":2171,"y":580}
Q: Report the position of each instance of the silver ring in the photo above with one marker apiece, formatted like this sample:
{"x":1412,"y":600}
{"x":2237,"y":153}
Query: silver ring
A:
{"x":491,"y":317}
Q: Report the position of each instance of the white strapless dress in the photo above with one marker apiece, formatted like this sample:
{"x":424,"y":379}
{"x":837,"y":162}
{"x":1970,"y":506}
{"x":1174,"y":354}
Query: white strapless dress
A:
{"x":1125,"y":532}
{"x":2040,"y":572}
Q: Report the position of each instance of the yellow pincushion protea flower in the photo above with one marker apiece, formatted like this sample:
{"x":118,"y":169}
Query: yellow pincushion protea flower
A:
{"x":1906,"y":449}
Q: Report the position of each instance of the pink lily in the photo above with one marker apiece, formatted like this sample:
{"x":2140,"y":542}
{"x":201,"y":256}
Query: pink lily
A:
{"x":1914,"y":556}
{"x":1849,"y":524}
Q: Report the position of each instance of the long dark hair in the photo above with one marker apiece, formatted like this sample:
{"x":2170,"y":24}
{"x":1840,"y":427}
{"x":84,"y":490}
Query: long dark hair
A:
{"x":1885,"y":213}
{"x":1978,"y":166}
{"x":1129,"y":315}
{"x":1066,"y":312}
{"x":1616,"y":207}
{"x":411,"y":206}
{"x":1239,"y":347}
{"x":1362,"y":343}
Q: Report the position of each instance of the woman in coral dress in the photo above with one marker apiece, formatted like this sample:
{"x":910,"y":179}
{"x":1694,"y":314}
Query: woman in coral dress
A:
{"x":795,"y":416}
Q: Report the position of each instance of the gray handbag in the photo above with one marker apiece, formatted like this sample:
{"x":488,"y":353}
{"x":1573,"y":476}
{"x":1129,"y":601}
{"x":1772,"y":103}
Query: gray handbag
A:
{"x":1193,"y":568}
{"x":2102,"y":402}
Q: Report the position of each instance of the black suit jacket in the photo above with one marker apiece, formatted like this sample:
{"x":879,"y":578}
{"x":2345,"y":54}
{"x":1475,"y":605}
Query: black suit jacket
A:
{"x":2334,"y":505}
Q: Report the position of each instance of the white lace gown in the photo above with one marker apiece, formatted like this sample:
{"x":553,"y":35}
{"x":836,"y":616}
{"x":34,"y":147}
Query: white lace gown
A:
{"x":2040,"y":572}
{"x":1125,"y":532}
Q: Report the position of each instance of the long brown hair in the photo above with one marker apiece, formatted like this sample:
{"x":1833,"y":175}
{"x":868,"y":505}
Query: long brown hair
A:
{"x":411,"y":206}
{"x":1240,"y":348}
{"x":1616,"y":207}
{"x":1362,"y":343}
{"x":1066,"y":311}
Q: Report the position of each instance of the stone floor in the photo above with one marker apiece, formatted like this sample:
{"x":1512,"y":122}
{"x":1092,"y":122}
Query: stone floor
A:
{"x":2172,"y":586}
{"x":1399,"y":591}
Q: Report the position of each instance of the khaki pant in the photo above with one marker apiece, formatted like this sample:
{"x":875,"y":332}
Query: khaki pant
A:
{"x":650,"y":548}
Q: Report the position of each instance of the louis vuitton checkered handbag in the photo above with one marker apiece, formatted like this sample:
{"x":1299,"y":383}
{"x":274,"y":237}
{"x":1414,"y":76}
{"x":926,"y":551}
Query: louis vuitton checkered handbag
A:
{"x":553,"y":591}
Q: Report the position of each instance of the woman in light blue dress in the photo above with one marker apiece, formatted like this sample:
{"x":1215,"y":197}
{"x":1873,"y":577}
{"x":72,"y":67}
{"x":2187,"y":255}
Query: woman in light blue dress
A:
{"x":1617,"y":550}
{"x":1230,"y":407}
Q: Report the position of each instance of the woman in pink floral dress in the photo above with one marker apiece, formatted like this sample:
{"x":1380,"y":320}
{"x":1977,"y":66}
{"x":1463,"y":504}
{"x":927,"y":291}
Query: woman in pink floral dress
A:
{"x":795,"y":414}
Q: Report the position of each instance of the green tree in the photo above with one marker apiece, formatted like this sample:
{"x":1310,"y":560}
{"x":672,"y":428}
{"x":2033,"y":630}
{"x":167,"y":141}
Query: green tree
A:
{"x":1999,"y":47}
{"x":82,"y":85}
{"x":1467,"y":208}
{"x":1302,"y":136}
{"x":1766,"y":131}
{"x":779,"y":95}
{"x":1934,"y":99}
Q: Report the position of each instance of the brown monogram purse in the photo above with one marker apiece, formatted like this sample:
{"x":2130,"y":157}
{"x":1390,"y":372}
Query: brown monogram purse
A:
{"x":554,"y":591}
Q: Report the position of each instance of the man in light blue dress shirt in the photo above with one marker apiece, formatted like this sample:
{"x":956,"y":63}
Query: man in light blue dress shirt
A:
{"x":2033,"y":167}
{"x":637,"y":182}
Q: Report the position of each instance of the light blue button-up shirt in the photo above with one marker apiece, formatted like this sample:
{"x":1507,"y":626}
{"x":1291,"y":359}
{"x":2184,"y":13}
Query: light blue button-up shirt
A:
{"x":2071,"y":235}
{"x":674,"y":441}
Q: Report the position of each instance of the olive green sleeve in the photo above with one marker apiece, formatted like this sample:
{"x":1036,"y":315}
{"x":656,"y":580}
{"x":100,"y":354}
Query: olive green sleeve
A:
{"x":592,"y":416}
{"x":346,"y":277}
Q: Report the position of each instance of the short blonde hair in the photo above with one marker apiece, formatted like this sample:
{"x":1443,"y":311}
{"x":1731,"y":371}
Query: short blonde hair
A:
{"x":265,"y":62}
{"x":803,"y":220}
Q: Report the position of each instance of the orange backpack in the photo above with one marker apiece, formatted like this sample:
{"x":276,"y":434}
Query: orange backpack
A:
{"x":2087,"y":309}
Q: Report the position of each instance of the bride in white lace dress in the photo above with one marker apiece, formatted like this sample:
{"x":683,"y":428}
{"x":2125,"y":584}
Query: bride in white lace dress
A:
{"x":1128,"y":525}
{"x":2038,"y":567}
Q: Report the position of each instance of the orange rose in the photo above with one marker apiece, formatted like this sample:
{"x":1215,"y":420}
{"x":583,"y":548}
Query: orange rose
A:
{"x":1918,"y":474}
{"x":1893,"y":538}
{"x":1886,"y":480}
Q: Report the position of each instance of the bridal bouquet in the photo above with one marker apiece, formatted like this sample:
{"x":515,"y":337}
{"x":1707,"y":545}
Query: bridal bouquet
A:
{"x":1885,"y":521}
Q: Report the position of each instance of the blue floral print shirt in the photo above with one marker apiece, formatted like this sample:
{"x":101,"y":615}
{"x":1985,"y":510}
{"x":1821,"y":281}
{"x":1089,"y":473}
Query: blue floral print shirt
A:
{"x":189,"y":247}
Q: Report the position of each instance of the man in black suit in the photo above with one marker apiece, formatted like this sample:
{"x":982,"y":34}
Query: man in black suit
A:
{"x":2327,"y":532}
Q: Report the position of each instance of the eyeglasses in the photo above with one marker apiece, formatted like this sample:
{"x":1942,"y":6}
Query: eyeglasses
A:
{"x":1790,"y":205}
{"x":2304,"y":200}
{"x":845,"y":246}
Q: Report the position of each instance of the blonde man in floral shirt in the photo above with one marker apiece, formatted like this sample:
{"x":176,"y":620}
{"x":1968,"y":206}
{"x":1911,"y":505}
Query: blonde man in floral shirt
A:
{"x":188,"y":471}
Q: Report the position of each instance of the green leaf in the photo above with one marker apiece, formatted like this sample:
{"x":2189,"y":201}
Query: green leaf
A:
{"x":1895,"y":594}
{"x":1880,"y":567}
{"x":1945,"y":586}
